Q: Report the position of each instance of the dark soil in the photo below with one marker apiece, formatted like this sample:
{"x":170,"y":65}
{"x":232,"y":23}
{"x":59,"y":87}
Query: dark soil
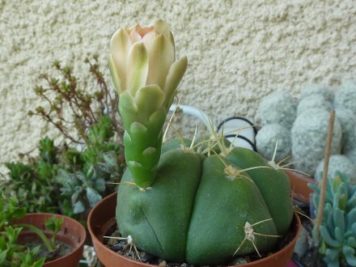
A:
{"x":311,"y":257}
{"x":61,"y":250}
{"x":121,"y":247}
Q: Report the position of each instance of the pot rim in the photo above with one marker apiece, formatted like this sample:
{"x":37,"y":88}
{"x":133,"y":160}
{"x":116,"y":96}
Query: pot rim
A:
{"x":82,"y":232}
{"x":299,"y":185}
{"x":295,"y":226}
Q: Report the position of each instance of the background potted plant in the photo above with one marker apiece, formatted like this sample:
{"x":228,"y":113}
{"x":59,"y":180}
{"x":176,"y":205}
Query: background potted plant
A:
{"x":298,"y":128}
{"x":205,"y":203}
{"x":72,"y":176}
{"x":332,"y":235}
{"x":38,"y":239}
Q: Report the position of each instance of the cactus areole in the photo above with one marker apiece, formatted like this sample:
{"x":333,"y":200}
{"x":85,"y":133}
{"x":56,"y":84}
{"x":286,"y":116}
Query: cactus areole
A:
{"x":182,"y":205}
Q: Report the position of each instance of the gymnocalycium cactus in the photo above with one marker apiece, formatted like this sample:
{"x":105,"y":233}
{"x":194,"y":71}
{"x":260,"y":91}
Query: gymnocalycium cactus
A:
{"x":338,"y":228}
{"x":182,"y":205}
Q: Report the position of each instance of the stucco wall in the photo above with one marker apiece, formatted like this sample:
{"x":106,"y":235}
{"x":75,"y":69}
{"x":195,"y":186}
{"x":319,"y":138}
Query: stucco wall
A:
{"x":239,"y":50}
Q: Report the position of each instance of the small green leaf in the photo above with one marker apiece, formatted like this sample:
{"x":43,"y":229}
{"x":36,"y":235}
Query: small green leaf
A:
{"x":100,"y":185}
{"x":349,"y":253}
{"x":54,"y":224}
{"x":3,"y":256}
{"x":78,"y":207}
{"x":93,"y":196}
{"x":327,"y":238}
{"x":339,"y":220}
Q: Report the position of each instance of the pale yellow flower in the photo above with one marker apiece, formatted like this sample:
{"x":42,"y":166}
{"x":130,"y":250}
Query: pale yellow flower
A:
{"x":145,"y":56}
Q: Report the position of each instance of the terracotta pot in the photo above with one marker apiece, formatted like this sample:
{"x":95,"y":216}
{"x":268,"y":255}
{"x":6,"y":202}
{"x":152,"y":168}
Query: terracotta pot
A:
{"x":299,"y":184}
{"x":292,"y":264}
{"x":102,"y":218}
{"x":72,"y":234}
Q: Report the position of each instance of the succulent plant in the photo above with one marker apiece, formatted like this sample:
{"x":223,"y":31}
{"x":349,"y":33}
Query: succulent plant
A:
{"x":69,"y":108}
{"x":12,"y":252}
{"x":184,"y":205}
{"x":338,"y":228}
{"x":83,"y":175}
{"x":71,"y":177}
{"x":67,"y":180}
{"x":274,"y":141}
{"x":279,"y":107}
{"x":33,"y":183}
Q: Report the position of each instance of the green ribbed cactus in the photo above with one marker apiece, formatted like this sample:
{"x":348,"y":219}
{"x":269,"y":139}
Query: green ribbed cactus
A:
{"x":182,"y":205}
{"x":338,"y":228}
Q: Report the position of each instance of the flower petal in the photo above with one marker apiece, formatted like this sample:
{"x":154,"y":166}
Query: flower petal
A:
{"x":161,"y":57}
{"x":162,"y":27}
{"x":119,"y":47}
{"x":174,"y":76}
{"x":137,"y":68}
{"x":115,"y":74}
{"x":142,"y":31}
{"x":148,"y":99}
{"x":135,"y":36}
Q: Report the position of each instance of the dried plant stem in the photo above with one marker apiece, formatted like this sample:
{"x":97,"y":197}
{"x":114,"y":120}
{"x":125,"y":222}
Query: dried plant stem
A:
{"x":72,"y":108}
{"x":323,"y":182}
{"x":60,"y":128}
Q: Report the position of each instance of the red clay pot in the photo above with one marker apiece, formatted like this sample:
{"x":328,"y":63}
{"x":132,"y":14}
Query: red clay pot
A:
{"x":72,"y":233}
{"x":102,"y":218}
{"x":299,"y":184}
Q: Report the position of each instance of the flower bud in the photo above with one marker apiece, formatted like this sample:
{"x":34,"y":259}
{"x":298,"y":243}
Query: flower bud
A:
{"x":145,"y":56}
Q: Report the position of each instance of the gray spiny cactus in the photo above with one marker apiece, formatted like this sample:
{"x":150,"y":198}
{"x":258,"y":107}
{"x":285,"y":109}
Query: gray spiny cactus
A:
{"x":279,"y":107}
{"x":312,"y":102}
{"x":346,"y":96}
{"x":309,"y":121}
{"x":337,"y":163}
{"x":315,"y":89}
{"x":308,"y":139}
{"x":274,"y":142}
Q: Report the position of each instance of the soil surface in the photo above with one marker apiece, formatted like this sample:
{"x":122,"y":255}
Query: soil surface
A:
{"x":61,"y":250}
{"x":311,"y":258}
{"x":123,"y":248}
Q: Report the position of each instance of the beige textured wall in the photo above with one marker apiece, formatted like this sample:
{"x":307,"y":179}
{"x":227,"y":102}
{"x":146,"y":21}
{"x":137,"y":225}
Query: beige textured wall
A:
{"x":239,"y":50}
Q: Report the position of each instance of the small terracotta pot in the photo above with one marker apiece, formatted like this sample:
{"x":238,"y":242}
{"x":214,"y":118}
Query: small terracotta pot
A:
{"x":102,"y":218}
{"x":72,"y":234}
{"x":300,"y":188}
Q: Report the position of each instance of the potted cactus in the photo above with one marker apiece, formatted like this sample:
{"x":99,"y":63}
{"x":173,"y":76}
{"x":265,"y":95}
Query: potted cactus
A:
{"x":200,"y":204}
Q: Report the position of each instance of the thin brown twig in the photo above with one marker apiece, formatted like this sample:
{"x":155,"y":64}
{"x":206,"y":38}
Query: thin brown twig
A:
{"x":59,"y":127}
{"x":323,"y":183}
{"x":84,"y":109}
